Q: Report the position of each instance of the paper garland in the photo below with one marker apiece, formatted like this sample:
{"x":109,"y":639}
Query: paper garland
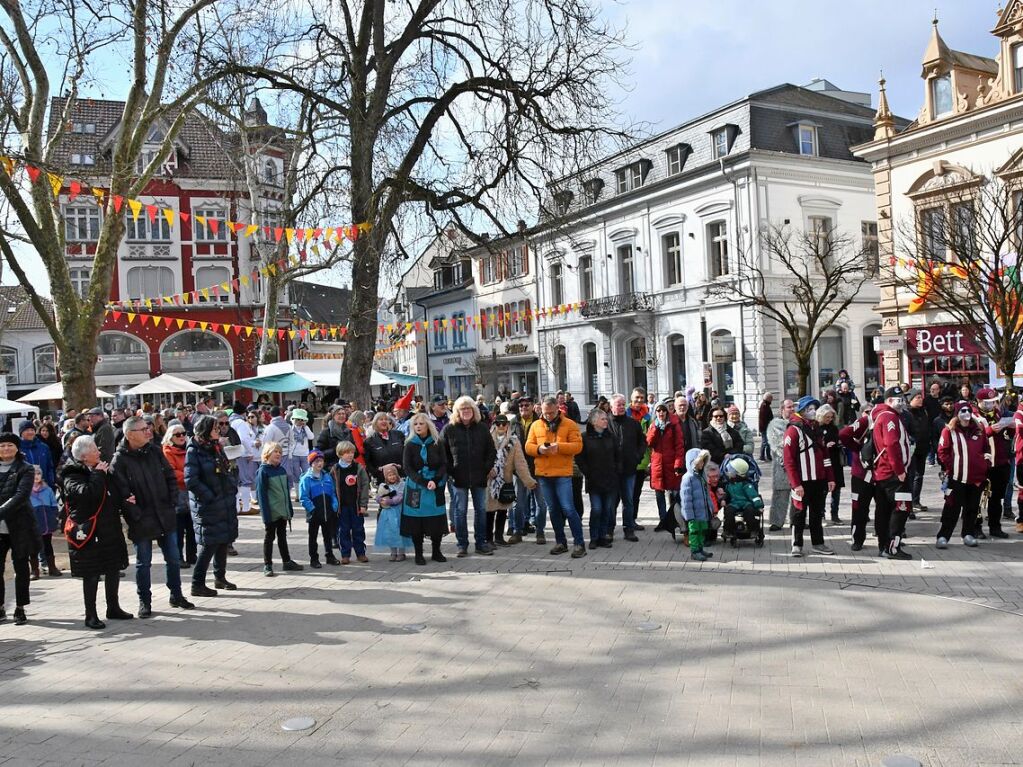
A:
{"x":239,"y":229}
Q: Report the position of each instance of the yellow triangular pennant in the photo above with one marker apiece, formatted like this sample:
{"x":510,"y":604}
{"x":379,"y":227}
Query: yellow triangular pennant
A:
{"x":56,"y":182}
{"x":181,"y":323}
{"x":136,"y":208}
{"x":169,"y":215}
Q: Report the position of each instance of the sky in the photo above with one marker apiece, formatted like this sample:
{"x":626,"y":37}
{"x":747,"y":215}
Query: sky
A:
{"x":687,"y":57}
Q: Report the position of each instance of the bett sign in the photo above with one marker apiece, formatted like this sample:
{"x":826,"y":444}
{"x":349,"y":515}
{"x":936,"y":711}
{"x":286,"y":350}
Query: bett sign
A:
{"x":942,"y":340}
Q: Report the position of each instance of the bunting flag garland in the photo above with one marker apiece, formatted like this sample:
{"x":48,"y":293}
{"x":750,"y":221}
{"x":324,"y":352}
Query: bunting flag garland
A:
{"x":337,"y":234}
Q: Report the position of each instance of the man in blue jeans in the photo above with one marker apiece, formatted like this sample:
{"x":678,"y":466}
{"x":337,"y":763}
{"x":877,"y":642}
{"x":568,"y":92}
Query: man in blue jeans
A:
{"x":631,"y":447}
{"x":146,"y":482}
{"x":553,"y":442}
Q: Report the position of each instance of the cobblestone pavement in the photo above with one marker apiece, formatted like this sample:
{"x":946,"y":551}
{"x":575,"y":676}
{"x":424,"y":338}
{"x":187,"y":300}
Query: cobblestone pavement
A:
{"x":632,"y":655}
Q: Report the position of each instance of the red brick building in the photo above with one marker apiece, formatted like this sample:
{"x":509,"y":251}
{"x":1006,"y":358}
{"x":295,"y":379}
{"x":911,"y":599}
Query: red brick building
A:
{"x":159,"y":257}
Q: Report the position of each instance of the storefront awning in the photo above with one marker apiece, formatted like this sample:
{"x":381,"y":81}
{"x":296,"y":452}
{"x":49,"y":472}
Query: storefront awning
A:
{"x":283,"y":382}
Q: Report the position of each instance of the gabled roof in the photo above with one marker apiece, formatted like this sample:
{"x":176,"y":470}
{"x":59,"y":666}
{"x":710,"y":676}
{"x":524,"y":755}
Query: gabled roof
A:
{"x":17,"y":312}
{"x":320,"y":304}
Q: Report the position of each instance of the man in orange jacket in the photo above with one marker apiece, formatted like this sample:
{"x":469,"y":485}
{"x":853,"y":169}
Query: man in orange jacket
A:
{"x":553,"y":441}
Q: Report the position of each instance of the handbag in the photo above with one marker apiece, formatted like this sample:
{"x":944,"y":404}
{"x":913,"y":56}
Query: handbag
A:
{"x":507,"y":493}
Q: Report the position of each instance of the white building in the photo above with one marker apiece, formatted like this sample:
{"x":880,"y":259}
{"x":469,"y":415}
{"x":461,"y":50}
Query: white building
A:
{"x":27,"y":354}
{"x":650,"y":230}
{"x":970,"y":128}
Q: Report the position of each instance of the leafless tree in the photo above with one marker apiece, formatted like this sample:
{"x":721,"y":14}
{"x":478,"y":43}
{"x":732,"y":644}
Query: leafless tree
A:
{"x":803,"y":280}
{"x":462,"y":109}
{"x":959,"y":255}
{"x":160,"y":39}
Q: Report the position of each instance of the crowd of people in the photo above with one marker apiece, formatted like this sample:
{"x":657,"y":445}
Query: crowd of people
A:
{"x":179,"y":479}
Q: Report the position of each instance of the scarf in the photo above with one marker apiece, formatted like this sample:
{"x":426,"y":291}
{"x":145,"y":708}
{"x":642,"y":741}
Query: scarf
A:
{"x":504,"y":449}
{"x":722,"y":431}
{"x":426,"y":472}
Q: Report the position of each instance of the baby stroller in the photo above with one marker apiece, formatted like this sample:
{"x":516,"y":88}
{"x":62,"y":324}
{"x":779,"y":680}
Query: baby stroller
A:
{"x":746,"y":522}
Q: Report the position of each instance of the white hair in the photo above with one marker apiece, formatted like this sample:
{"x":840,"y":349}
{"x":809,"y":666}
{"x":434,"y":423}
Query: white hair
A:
{"x":81,"y":446}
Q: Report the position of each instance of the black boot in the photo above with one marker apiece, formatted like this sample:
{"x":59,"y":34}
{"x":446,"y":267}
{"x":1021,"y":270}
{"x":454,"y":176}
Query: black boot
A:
{"x":51,"y":564}
{"x":114,"y":611}
{"x":90,"y":586}
{"x":417,"y":541}
{"x":437,"y":556}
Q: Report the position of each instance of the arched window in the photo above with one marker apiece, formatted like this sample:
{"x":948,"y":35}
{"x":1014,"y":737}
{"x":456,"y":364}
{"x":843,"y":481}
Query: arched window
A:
{"x":270,"y":172}
{"x":9,"y":364}
{"x":196,"y":351}
{"x":121,"y":354}
{"x":44,"y":360}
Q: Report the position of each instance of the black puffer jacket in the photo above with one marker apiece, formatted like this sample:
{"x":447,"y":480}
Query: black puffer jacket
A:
{"x":920,"y":429}
{"x":631,"y":441}
{"x":16,"y":506}
{"x":600,"y":461}
{"x":470,"y":453}
{"x":212,"y":491}
{"x":147,"y":475}
{"x":85,"y":492}
{"x":380,"y":452}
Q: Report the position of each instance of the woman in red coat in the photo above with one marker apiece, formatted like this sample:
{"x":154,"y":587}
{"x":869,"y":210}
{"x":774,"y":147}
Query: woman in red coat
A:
{"x":667,"y":456}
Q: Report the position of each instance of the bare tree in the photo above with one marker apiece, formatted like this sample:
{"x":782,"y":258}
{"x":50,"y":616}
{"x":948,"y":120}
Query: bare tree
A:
{"x":465,"y":109}
{"x":960,"y":256}
{"x":803,"y":280}
{"x":160,"y":40}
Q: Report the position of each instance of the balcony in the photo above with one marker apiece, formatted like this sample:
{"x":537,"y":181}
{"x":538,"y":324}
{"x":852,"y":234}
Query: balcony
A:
{"x":620,"y":304}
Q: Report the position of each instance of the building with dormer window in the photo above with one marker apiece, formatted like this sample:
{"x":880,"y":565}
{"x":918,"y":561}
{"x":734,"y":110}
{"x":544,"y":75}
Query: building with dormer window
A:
{"x":969,"y":130}
{"x":645,"y":234}
{"x":156,"y":258}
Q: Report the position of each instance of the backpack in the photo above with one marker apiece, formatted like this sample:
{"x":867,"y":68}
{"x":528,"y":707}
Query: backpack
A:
{"x":868,"y":450}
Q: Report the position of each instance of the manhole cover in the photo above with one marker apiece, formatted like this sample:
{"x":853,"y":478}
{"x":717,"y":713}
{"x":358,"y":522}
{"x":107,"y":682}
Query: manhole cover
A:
{"x":647,"y":627}
{"x":898,"y":760}
{"x":298,"y":723}
{"x":414,"y":627}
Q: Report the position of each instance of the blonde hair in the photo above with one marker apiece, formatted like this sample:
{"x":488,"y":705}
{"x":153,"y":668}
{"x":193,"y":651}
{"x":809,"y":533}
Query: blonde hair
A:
{"x":344,"y":446}
{"x":268,"y":450}
{"x":380,"y":416}
{"x":429,"y":425}
{"x":462,"y":402}
{"x":823,"y":411}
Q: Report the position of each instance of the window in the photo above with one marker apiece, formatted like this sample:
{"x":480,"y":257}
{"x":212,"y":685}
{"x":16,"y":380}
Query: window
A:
{"x":562,"y":201}
{"x":270,"y":173}
{"x":206,"y":233}
{"x":518,"y":318}
{"x":141,"y":229}
{"x":80,"y":277}
{"x":83,"y":159}
{"x":493,"y":331}
{"x":9,"y":364}
{"x":626,"y":277}
{"x":83,"y":127}
{"x":964,"y":233}
{"x":440,"y":333}
{"x":830,"y":358}
{"x":871,"y":246}
{"x":44,"y":359}
{"x":632,"y":176}
{"x":592,"y":189}
{"x":458,"y":330}
{"x":677,"y":157}
{"x":585,"y":277}
{"x":560,"y":368}
{"x":207,"y":277}
{"x":1017,"y":68}
{"x":941,"y":95}
{"x":720,"y":138}
{"x":932,"y":232}
{"x":557,"y":288}
{"x":871,"y":359}
{"x":515,"y":261}
{"x":150,"y":281}
{"x":590,"y":371}
{"x":672,"y":248}
{"x":677,"y":349}
{"x":81,"y":223}
{"x":717,"y":238}
{"x":488,"y":272}
{"x":808,"y":140}
{"x":820,"y":228}
{"x":148,"y":154}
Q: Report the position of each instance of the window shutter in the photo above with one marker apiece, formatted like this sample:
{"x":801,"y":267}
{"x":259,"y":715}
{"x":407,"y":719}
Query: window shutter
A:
{"x":482,"y":272}
{"x":529,"y":317}
{"x":500,"y":322}
{"x":525,"y":259}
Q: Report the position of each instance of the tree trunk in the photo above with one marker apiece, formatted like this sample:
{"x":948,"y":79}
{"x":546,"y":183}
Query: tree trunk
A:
{"x":360,"y":344}
{"x":803,"y":373}
{"x":78,"y":365}
{"x":268,"y":344}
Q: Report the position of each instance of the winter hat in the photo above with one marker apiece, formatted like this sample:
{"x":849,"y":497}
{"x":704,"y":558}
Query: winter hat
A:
{"x":963,"y":405}
{"x":313,"y":455}
{"x":739,"y":466}
{"x":987,"y":393}
{"x":11,"y":438}
{"x":24,"y":426}
{"x":805,"y":402}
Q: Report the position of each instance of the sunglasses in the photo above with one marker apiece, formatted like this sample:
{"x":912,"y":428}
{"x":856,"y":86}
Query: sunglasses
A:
{"x":177,"y":434}
{"x":718,"y":417}
{"x":223,"y":423}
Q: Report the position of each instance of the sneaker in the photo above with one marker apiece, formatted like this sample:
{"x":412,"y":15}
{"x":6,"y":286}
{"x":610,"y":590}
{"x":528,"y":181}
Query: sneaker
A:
{"x":917,"y":508}
{"x":1007,"y":514}
{"x":268,"y":571}
{"x":180,"y":601}
{"x":706,"y":553}
{"x":970,"y":541}
{"x":145,"y":610}
{"x":578,"y":551}
{"x":232,"y":551}
{"x":529,"y":530}
{"x":292,"y":566}
{"x":856,"y":546}
{"x":899,"y":554}
{"x":560,"y":548}
{"x":630,"y":536}
{"x":698,"y":556}
{"x":998,"y":534}
{"x":797,"y":551}
{"x":20,"y":619}
{"x":822,"y":548}
{"x":837,"y":521}
{"x":594,"y":545}
{"x":222,"y":584}
{"x":941,"y":543}
{"x":461,"y":553}
{"x":541,"y":539}
{"x":202,"y":590}
{"x":485,"y":549}
{"x":315,"y":564}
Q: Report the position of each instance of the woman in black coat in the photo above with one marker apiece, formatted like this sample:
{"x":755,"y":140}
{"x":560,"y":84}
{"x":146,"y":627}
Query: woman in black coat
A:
{"x":827,"y":418}
{"x":212,"y":498}
{"x":601,"y":464}
{"x":387,"y":445}
{"x":719,"y":439}
{"x":95,"y":541}
{"x":17,"y":522}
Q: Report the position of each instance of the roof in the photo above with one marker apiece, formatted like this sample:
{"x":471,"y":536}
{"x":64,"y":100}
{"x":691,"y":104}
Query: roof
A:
{"x":320,"y":304}
{"x":203,"y":147}
{"x":24,"y":315}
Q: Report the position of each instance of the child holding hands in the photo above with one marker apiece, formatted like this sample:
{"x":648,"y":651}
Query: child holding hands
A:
{"x":351,"y":483}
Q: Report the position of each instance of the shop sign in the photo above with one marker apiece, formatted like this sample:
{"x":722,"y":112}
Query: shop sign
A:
{"x":943,"y":340}
{"x":515,"y":349}
{"x":452,"y":360}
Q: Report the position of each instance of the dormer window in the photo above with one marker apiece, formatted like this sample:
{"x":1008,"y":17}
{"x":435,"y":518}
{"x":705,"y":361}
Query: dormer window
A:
{"x":720,"y":143}
{"x":84,"y":128}
{"x":632,"y":176}
{"x":807,"y":135}
{"x":941,"y":95}
{"x":592,"y":189}
{"x":677,"y":157}
{"x":562,"y":201}
{"x":1017,"y":68}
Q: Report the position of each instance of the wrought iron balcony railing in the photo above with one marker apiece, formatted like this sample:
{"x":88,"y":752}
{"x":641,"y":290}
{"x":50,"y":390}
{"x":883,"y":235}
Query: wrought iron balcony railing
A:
{"x":620,"y":304}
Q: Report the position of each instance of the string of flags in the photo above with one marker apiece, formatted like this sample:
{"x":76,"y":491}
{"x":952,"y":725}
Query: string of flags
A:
{"x":472,"y":321}
{"x":212,"y":225}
